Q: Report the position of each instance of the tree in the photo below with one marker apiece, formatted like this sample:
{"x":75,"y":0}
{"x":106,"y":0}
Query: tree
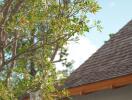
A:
{"x":32,"y":34}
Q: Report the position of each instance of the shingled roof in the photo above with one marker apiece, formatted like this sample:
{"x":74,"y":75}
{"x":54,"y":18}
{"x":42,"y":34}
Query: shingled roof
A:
{"x":113,"y":59}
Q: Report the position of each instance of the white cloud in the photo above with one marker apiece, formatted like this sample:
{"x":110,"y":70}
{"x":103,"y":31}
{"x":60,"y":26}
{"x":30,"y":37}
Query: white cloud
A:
{"x":79,"y":52}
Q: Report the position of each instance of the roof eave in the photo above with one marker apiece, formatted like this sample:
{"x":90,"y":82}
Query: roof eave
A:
{"x":101,"y":85}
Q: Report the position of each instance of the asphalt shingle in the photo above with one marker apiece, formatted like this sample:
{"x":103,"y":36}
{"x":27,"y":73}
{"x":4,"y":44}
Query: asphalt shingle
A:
{"x":112,"y":60}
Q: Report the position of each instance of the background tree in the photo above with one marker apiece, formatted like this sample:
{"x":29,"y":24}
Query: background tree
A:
{"x":32,"y":34}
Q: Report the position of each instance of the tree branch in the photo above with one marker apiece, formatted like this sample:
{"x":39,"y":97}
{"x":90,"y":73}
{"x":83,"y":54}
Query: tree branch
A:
{"x":29,"y":49}
{"x":17,"y":7}
{"x":5,"y":12}
{"x":54,"y":52}
{"x":14,"y":48}
{"x":58,"y":60}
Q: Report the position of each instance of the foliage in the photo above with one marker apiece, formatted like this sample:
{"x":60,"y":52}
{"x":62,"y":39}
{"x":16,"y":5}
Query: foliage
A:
{"x":32,"y":34}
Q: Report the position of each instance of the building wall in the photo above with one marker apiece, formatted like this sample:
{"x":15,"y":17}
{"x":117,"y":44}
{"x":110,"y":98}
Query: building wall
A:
{"x":35,"y":96}
{"x":124,"y":93}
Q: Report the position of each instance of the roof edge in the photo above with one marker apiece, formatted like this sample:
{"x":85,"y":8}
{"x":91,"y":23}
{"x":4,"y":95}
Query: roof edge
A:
{"x":101,"y":85}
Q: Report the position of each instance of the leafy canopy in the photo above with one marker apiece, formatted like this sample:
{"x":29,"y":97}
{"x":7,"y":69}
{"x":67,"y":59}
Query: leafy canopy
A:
{"x":32,"y":34}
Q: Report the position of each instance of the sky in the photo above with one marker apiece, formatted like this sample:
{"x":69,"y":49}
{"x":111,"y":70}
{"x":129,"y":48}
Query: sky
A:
{"x":113,"y":16}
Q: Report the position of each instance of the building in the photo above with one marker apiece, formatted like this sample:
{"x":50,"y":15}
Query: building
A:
{"x":107,"y":74}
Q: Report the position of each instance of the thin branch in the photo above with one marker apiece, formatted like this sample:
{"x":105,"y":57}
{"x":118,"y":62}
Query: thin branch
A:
{"x":14,"y":48}
{"x":58,"y":60}
{"x":55,"y":52}
{"x":72,"y":9}
{"x":3,"y":38}
{"x":5,"y":12}
{"x":18,"y":38}
{"x":3,"y":56}
{"x":17,"y":7}
{"x":32,"y":65}
{"x":29,"y":49}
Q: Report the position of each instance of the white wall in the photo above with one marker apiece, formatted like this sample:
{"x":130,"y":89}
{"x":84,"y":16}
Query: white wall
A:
{"x":124,"y":93}
{"x":35,"y":95}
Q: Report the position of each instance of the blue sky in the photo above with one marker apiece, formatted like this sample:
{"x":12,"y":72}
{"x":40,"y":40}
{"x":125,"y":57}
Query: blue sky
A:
{"x":113,"y":15}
